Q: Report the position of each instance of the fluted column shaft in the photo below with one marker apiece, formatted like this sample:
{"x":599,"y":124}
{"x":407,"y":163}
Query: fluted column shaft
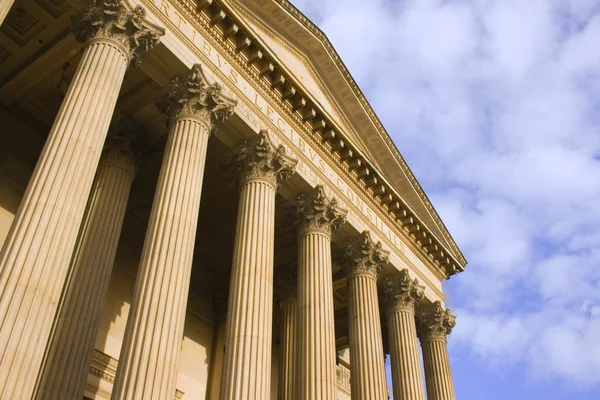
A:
{"x":316,"y":325}
{"x":401,"y":295}
{"x":318,"y":216}
{"x":5,"y":6}
{"x":407,"y":378}
{"x":434,"y":324}
{"x":68,"y":354}
{"x":438,"y":376}
{"x":287,"y":370}
{"x":248,"y":339}
{"x":366,"y":343}
{"x":152,"y":344}
{"x":35,"y":258}
{"x":250,"y":311}
{"x":364,"y":260}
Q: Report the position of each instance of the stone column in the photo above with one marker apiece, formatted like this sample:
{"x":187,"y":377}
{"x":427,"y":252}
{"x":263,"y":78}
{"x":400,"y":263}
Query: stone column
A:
{"x":319,"y":216}
{"x":152,"y":343}
{"x":434,"y":324}
{"x":68,"y":353}
{"x":248,"y":339}
{"x":401,"y":296}
{"x":5,"y":6}
{"x":364,"y":260}
{"x":287,"y":285}
{"x":36,"y":255}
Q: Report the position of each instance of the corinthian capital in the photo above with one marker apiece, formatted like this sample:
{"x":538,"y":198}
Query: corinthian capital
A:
{"x":403,"y":293}
{"x":124,"y":144}
{"x":113,"y":19}
{"x":317,"y":211}
{"x":261,"y":159}
{"x":286,"y":282}
{"x":362,"y":255}
{"x":196,"y":98}
{"x":435,"y":322}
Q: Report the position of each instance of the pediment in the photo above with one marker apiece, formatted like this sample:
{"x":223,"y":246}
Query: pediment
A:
{"x":300,"y":67}
{"x":308,"y":56}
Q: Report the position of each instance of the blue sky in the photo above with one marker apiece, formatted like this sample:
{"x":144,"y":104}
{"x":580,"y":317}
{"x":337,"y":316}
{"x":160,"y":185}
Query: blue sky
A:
{"x":495,"y":106}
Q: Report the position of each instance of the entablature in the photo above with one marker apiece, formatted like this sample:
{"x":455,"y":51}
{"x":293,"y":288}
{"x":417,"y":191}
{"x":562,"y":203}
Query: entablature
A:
{"x":223,"y":25}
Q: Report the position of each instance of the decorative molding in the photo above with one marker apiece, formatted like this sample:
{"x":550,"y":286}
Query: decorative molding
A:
{"x":385,"y":135}
{"x":104,"y":367}
{"x":363,"y":255}
{"x":124,"y":144}
{"x":196,"y":98}
{"x":21,"y":26}
{"x":253,"y":59}
{"x":112,"y":19}
{"x":261,"y":159}
{"x":316,"y":211}
{"x":403,"y":293}
{"x":434,"y":322}
{"x":37,"y":54}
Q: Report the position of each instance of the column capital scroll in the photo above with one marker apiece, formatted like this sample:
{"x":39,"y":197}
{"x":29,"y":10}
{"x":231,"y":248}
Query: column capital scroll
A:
{"x":363,"y":255}
{"x":403,"y":293}
{"x":260,"y":158}
{"x":115,"y":20}
{"x":435,"y":322}
{"x":316,"y":211}
{"x":196,"y":98}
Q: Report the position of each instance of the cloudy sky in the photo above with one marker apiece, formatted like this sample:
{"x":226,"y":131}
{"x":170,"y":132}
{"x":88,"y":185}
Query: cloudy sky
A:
{"x":495,"y":106}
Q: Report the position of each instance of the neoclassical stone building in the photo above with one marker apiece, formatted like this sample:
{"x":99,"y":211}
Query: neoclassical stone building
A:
{"x":197,"y":202}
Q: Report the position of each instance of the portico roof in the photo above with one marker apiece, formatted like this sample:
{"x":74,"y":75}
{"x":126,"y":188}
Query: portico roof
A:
{"x":289,"y":34}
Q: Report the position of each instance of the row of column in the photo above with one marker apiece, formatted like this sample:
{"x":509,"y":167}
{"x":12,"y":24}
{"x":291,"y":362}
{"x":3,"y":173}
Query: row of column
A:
{"x":364,"y":259}
{"x":58,"y":256}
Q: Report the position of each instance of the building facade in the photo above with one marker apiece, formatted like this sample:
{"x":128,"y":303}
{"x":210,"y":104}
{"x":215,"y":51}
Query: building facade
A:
{"x":197,"y":202}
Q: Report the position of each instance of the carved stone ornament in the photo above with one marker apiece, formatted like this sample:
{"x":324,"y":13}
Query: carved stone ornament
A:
{"x":403,"y":293}
{"x":123,"y":142}
{"x":196,"y":98}
{"x":435,"y":322}
{"x":261,"y":159}
{"x":316,"y":211}
{"x":363,"y":255}
{"x":115,"y":20}
{"x":286,"y":282}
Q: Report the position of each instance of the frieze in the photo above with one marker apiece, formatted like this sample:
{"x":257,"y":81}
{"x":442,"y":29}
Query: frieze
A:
{"x":316,"y":163}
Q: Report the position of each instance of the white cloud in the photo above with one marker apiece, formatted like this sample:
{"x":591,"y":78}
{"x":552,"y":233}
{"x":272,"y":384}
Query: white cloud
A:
{"x":494,"y":103}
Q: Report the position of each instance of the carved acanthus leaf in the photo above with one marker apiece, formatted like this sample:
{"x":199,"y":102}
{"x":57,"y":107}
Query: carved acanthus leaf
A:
{"x":316,"y":211}
{"x":435,"y":322}
{"x":364,"y":255}
{"x":124,"y":142}
{"x":261,"y":159}
{"x":112,"y":19}
{"x":196,"y":97}
{"x":286,"y":282}
{"x":403,"y":292}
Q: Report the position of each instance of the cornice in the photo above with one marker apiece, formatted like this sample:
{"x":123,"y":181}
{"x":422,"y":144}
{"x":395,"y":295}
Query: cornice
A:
{"x":364,"y":102}
{"x":249,"y":55}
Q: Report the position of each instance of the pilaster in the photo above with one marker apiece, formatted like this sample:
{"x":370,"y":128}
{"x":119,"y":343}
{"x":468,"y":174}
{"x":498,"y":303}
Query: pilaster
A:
{"x":36,"y":255}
